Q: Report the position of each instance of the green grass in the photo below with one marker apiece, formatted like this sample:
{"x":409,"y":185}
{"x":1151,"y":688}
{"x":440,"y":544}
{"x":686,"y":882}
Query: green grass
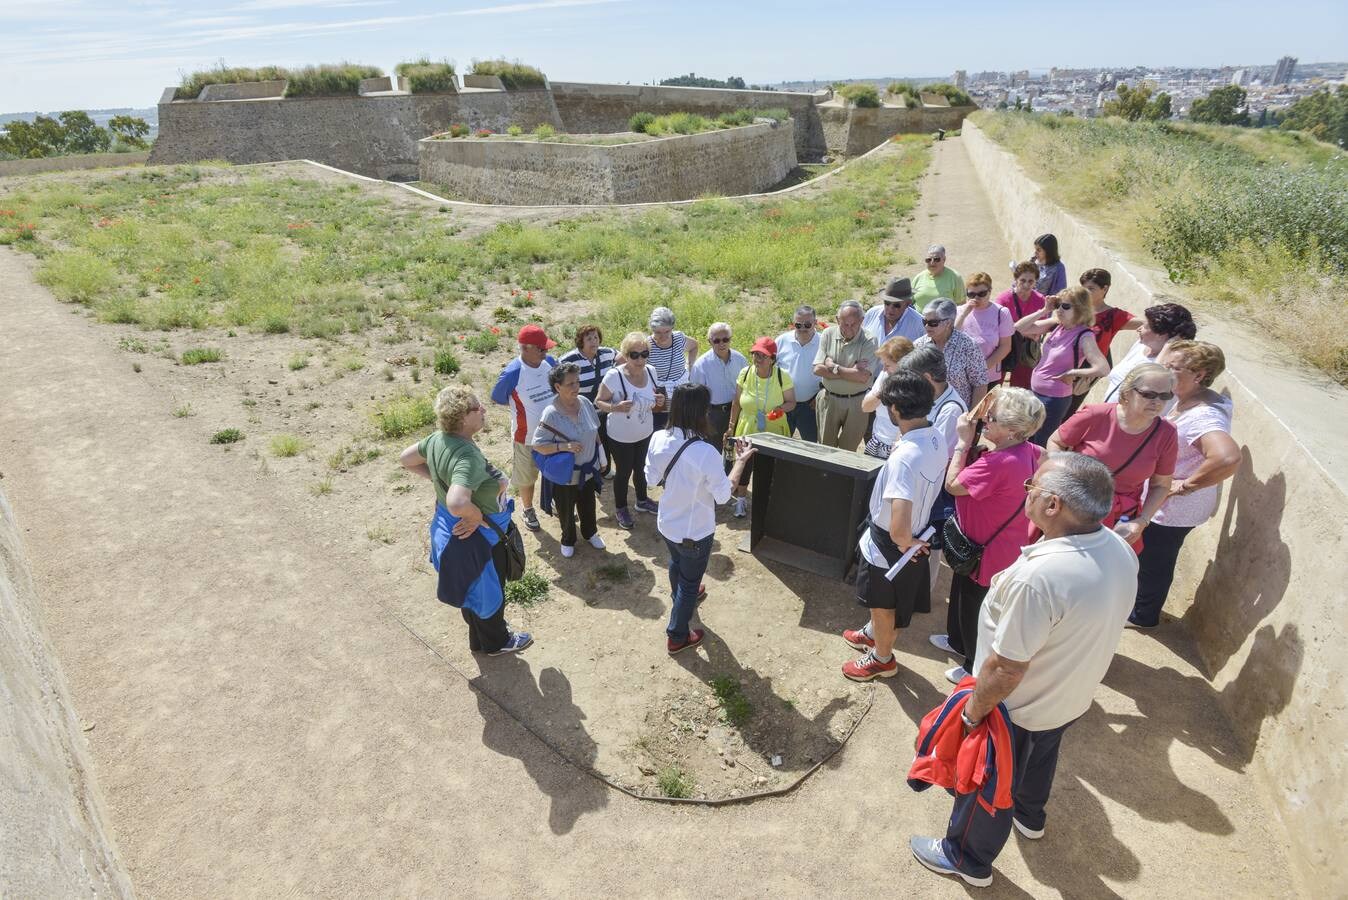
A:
{"x":403,"y":415}
{"x":674,"y":782}
{"x":735,"y":707}
{"x":864,"y":96}
{"x":329,"y":80}
{"x":613,"y":571}
{"x":298,"y":361}
{"x":514,"y":75}
{"x":1251,"y":219}
{"x":184,"y":411}
{"x":426,"y":77}
{"x":482,"y":341}
{"x":532,"y":588}
{"x":446,"y":363}
{"x":348,"y":457}
{"x":227,"y":436}
{"x":287,"y":445}
{"x":198,"y":355}
{"x":192,"y":84}
{"x":322,"y":487}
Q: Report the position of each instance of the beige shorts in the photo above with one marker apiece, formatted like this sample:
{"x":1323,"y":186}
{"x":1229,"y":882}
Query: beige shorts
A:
{"x":523,"y":472}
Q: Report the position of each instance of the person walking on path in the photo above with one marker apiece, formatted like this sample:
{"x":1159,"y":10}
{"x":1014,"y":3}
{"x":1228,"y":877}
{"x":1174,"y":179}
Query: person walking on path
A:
{"x":894,"y":315}
{"x":1049,"y":628}
{"x":900,"y":505}
{"x":939,"y":280}
{"x":690,"y":470}
{"x":523,"y":386}
{"x":718,"y":370}
{"x":796,"y":350}
{"x":843,"y":363}
{"x":570,"y":424}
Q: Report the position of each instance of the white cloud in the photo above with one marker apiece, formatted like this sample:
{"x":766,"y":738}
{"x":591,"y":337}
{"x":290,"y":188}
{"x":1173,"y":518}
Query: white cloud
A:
{"x":529,"y":7}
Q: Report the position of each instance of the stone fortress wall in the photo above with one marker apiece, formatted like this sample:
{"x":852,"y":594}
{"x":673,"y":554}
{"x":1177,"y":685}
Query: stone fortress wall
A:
{"x":743,"y":160}
{"x":1261,"y":585}
{"x":853,"y":130}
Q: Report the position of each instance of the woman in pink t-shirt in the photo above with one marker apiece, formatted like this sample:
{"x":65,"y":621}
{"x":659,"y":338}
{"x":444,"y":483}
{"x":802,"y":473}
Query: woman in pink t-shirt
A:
{"x":989,"y":507}
{"x":1021,"y":301}
{"x":989,"y":326}
{"x":1137,"y":443}
{"x":1068,"y":358}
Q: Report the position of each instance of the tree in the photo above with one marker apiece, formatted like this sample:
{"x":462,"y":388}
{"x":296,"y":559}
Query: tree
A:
{"x":1137,"y":103}
{"x":33,"y":140}
{"x":130,"y":130}
{"x":81,"y":134}
{"x":1322,"y":114}
{"x":1224,"y":106}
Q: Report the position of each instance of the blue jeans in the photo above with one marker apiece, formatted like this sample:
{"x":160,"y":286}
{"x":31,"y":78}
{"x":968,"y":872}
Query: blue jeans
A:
{"x":687,"y":565}
{"x":802,"y":419}
{"x":1055,"y":408}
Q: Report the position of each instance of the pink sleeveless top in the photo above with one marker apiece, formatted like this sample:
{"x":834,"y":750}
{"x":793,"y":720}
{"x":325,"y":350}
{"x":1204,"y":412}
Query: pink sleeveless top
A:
{"x":1057,"y":355}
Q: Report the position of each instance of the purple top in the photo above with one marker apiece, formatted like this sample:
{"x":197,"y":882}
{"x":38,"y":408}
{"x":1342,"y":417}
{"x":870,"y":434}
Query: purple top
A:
{"x":1059,"y":353}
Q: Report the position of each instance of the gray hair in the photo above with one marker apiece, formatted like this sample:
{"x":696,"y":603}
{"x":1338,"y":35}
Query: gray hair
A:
{"x":851,"y":304}
{"x":1082,"y":483}
{"x":926,"y":360}
{"x":941,"y":307}
{"x":805,"y":311}
{"x":936,"y":250}
{"x":718,"y":327}
{"x":1018,"y":410}
{"x":662,"y":317}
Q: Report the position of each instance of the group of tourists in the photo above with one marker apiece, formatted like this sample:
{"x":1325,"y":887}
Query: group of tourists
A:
{"x":1058,"y":519}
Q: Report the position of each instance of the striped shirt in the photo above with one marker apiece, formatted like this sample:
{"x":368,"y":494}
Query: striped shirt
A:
{"x":670,"y":363}
{"x":591,"y":370}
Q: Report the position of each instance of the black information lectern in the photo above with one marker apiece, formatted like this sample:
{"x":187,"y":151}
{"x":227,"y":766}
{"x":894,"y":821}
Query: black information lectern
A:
{"x":808,"y":502}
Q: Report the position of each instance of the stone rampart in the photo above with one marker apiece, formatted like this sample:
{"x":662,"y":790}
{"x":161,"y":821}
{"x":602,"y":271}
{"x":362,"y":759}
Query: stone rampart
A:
{"x":599,"y":108}
{"x":741,"y":160}
{"x":52,"y":839}
{"x":71,"y":163}
{"x":1261,"y":586}
{"x":373,"y":135}
{"x":854,"y":130}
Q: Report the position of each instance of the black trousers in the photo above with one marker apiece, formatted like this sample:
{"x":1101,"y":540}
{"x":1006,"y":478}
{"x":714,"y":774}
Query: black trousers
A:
{"x":718,"y":420}
{"x":571,"y":499}
{"x":961,"y":619}
{"x":604,"y":442}
{"x":630,"y":461}
{"x":1156,"y":570}
{"x":490,"y":634}
{"x":975,"y":837}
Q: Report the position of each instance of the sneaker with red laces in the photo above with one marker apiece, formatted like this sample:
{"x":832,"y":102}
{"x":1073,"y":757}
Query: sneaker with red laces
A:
{"x":868,"y":668}
{"x":858,"y":639}
{"x":694,"y":638}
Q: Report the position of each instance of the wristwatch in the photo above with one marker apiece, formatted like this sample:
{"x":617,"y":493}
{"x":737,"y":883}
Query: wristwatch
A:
{"x":835,"y":369}
{"x":964,"y":717}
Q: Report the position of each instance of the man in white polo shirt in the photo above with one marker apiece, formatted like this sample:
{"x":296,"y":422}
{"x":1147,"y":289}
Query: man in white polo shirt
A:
{"x":1048,"y":630}
{"x":523,"y":386}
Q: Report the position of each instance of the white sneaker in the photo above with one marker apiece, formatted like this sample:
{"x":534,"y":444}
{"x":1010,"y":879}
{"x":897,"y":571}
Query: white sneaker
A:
{"x":596,"y":541}
{"x":955,"y":675}
{"x":942,"y":642}
{"x":1033,"y":834}
{"x":568,"y":552}
{"x":741,"y":507}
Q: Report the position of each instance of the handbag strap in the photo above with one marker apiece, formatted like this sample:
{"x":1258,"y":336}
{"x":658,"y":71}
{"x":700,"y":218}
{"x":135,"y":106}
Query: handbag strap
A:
{"x":559,"y":434}
{"x":670,"y":468}
{"x":1145,"y":441}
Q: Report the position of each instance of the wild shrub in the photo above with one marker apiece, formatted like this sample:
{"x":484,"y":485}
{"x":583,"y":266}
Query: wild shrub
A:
{"x":956,"y":96}
{"x":78,"y":277}
{"x":639,"y":121}
{"x":329,"y":80}
{"x":530,"y":589}
{"x":426,"y":77}
{"x":227,"y":436}
{"x":198,"y":355}
{"x":446,"y":363}
{"x":514,"y":131}
{"x":735,"y":707}
{"x":514,"y":75}
{"x":864,"y":96}
{"x":458,"y":130}
{"x":193,"y":84}
{"x":545,"y":132}
{"x":674,"y":782}
{"x":482,"y":342}
{"x":403,"y":415}
{"x":287,"y":445}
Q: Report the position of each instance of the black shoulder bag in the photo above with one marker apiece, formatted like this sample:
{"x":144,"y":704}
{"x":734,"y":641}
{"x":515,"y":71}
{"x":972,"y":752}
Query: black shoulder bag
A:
{"x":962,"y":553}
{"x":511,"y":540}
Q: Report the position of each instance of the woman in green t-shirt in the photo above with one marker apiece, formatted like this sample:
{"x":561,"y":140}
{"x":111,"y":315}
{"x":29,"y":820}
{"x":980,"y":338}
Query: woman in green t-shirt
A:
{"x":467,"y":486}
{"x":764,"y":395}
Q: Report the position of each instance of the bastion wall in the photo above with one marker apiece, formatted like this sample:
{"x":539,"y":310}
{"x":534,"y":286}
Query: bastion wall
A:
{"x":1261,"y":586}
{"x":854,"y":130}
{"x":53,"y":842}
{"x":742,"y":160}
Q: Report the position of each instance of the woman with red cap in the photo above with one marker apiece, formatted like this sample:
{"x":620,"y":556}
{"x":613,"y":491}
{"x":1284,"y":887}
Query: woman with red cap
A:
{"x":764,"y":395}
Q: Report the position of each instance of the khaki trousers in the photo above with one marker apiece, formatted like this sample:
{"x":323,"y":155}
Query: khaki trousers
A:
{"x":842,"y":424}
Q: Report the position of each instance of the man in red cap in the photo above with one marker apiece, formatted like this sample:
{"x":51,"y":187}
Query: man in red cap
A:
{"x":523,"y":386}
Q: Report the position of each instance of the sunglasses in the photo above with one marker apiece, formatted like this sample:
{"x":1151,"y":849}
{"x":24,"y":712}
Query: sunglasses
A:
{"x":1062,"y":306}
{"x":804,"y":326}
{"x":759,"y":356}
{"x":638,"y":354}
{"x":720,"y":340}
{"x":977,"y":295}
{"x":1154,"y":395}
{"x":934,"y":323}
{"x":1031,"y":486}
{"x":895,"y":302}
{"x":933,"y":259}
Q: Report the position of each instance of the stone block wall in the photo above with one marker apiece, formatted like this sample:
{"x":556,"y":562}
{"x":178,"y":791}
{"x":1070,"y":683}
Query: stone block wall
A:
{"x":854,"y":131}
{"x":53,"y":842}
{"x":71,"y":163}
{"x":599,"y":108}
{"x":735,"y":161}
{"x":375,"y":136}
{"x":1260,"y":586}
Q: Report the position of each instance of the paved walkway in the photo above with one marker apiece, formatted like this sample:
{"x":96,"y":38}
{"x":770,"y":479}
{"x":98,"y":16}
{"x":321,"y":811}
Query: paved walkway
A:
{"x":264,"y":727}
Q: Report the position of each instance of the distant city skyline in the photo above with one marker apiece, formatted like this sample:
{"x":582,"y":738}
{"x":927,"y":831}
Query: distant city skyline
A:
{"x":66,"y":54}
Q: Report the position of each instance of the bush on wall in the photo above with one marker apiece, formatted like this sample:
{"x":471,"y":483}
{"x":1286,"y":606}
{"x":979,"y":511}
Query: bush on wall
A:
{"x":861,"y":95}
{"x":193,"y":84}
{"x":956,"y":96}
{"x":329,"y":80}
{"x":426,"y":77}
{"x":514,"y":75}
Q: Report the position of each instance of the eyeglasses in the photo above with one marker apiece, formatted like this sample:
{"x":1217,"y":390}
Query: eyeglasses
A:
{"x":720,"y":340}
{"x":933,"y":259}
{"x":1167,"y":396}
{"x":1031,"y":486}
{"x":934,"y":323}
{"x":804,"y":326}
{"x":759,"y":357}
{"x":1062,"y":306}
{"x":895,"y":302}
{"x":638,"y":354}
{"x":977,"y":295}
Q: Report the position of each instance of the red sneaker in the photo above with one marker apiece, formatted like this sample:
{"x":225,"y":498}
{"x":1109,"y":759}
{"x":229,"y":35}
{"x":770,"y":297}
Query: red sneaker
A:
{"x":694,"y":638}
{"x":701,"y":593}
{"x":868,"y":668}
{"x":858,"y":639}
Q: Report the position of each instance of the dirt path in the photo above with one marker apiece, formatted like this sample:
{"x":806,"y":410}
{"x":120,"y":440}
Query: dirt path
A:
{"x":263,"y":724}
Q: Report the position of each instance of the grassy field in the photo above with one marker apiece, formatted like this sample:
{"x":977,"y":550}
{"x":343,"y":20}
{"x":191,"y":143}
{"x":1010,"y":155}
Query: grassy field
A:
{"x":194,"y":247}
{"x":1245,"y":217}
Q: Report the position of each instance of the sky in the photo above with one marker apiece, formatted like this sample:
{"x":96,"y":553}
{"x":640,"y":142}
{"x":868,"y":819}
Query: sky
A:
{"x":89,"y":54}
